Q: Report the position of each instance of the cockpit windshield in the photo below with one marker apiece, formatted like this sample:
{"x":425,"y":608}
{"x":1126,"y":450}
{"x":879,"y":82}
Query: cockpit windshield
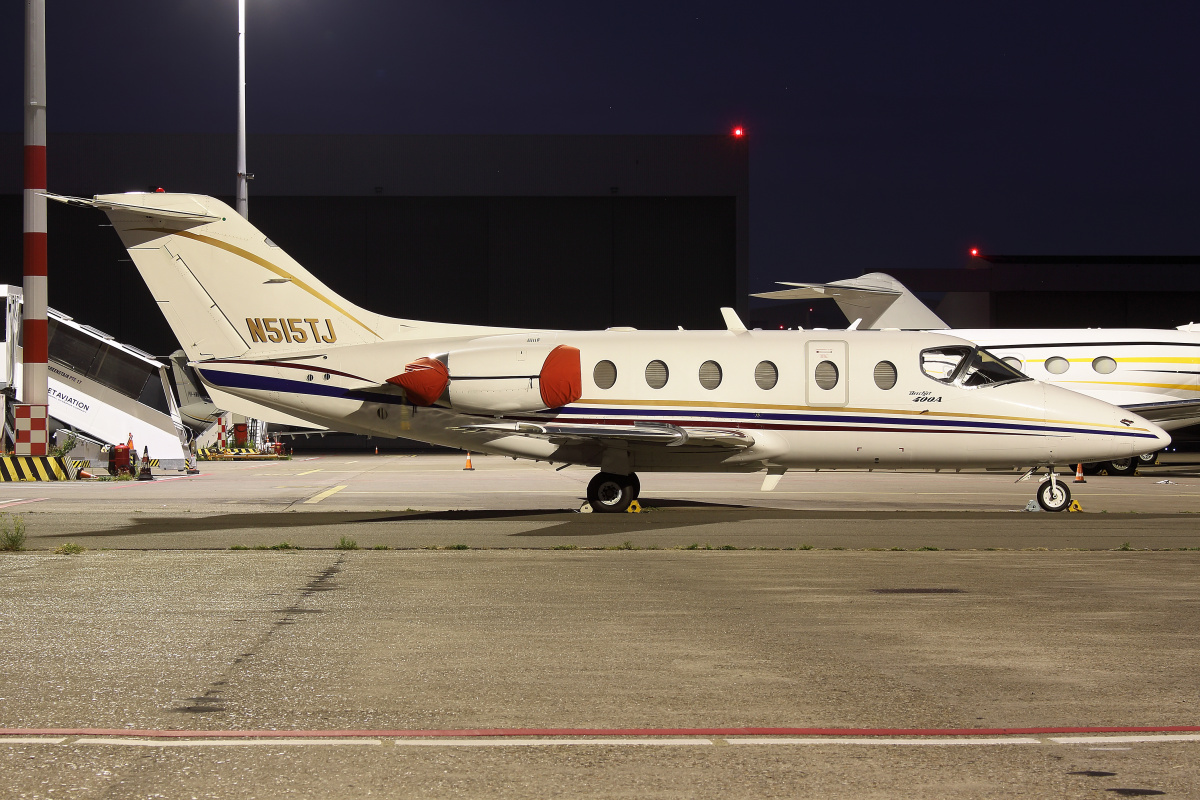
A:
{"x":967,"y":366}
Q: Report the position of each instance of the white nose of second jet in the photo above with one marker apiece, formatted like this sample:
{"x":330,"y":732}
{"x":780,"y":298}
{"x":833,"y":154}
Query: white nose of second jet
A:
{"x":1086,"y":429}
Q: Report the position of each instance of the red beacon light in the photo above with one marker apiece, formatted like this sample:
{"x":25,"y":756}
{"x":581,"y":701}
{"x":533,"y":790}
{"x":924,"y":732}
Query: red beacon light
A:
{"x":974,"y":252}
{"x":739,"y":132}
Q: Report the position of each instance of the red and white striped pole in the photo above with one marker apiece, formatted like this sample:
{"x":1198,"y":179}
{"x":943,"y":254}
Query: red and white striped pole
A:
{"x":34,"y":376}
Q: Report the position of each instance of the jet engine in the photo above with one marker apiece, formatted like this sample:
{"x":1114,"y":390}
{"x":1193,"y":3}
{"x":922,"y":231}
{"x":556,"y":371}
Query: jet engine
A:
{"x":495,"y":380}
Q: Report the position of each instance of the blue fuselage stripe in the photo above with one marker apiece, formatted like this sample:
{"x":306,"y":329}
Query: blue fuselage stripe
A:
{"x":262,"y":383}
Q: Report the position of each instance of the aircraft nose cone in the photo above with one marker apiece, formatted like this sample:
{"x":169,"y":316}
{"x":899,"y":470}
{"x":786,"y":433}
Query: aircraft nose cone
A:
{"x":1093,"y":430}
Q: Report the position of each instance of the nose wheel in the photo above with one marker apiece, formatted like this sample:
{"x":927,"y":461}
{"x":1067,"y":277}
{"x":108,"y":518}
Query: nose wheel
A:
{"x":1053,"y":495}
{"x":608,"y":492}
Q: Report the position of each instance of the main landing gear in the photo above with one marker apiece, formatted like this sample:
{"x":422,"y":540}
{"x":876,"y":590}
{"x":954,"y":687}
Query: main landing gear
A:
{"x":608,"y":492}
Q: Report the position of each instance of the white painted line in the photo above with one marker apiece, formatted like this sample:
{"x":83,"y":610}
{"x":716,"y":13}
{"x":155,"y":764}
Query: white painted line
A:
{"x":31,"y":740}
{"x":223,"y":742}
{"x":545,"y":742}
{"x":939,"y":742}
{"x":1158,"y":737}
{"x":316,"y":498}
{"x":19,"y":501}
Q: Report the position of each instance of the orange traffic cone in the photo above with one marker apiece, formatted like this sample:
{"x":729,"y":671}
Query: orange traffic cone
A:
{"x":468,"y":466}
{"x":1079,"y":473}
{"x":376,"y":451}
{"x":144,"y":474}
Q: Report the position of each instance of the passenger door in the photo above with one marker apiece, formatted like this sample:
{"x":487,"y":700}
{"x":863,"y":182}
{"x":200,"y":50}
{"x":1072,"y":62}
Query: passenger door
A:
{"x":827,"y":374}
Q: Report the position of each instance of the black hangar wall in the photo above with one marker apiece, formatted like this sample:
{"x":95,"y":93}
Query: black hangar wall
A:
{"x":548,"y":231}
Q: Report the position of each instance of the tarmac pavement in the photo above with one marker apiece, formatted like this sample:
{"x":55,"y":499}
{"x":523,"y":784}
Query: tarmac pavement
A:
{"x":866,"y":635}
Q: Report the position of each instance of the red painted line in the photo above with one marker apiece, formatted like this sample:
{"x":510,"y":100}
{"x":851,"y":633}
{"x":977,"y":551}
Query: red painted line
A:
{"x":127,"y":484}
{"x":522,"y":732}
{"x":23,"y":502}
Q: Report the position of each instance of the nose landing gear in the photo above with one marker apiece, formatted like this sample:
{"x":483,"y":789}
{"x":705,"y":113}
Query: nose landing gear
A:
{"x":1053,"y":494}
{"x":608,"y":492}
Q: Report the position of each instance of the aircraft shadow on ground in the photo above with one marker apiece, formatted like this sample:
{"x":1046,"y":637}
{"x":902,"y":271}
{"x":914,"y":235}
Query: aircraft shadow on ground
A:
{"x":659,"y":514}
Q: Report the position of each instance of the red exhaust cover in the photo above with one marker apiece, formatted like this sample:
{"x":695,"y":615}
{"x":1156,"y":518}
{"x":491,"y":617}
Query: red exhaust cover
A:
{"x":561,"y":380}
{"x":424,"y":380}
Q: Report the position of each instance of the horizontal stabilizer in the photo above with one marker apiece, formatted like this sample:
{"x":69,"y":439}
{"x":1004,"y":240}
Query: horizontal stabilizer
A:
{"x":199,"y":213}
{"x":879,"y":300}
{"x":647,"y":433}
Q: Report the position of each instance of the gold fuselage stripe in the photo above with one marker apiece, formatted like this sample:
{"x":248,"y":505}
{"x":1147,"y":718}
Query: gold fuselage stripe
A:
{"x":267,"y":265}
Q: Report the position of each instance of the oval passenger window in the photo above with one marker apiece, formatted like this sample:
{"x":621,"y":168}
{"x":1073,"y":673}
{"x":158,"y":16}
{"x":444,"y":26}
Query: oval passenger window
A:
{"x":656,"y":374}
{"x":1013,"y":362}
{"x":710,"y":374}
{"x":1057,"y":365}
{"x":1104,"y":365}
{"x":885,"y":375}
{"x":826,"y":375}
{"x":605,"y":374}
{"x":766,"y":375}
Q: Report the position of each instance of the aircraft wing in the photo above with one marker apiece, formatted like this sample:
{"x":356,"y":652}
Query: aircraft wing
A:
{"x":1170,"y":415}
{"x":879,"y":300}
{"x":645,"y":433}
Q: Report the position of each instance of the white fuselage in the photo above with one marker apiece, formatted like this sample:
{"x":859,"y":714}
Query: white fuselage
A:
{"x":1123,"y":366}
{"x":794,"y":422}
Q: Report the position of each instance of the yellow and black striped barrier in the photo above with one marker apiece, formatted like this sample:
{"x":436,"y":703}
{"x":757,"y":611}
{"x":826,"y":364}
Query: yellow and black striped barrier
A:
{"x":35,"y":468}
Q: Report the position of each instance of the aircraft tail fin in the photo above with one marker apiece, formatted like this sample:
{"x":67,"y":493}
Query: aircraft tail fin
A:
{"x":879,"y":300}
{"x":228,"y":291}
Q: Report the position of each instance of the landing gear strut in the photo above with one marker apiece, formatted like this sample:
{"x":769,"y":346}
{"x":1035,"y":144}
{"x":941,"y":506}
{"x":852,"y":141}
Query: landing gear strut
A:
{"x":608,"y":492}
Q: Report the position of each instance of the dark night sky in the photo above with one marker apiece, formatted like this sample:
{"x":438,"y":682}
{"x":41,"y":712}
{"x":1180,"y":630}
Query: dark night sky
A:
{"x":882,"y":134}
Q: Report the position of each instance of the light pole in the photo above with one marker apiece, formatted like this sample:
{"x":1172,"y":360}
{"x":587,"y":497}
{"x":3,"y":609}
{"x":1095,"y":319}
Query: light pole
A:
{"x":243,"y":177}
{"x":31,"y":416}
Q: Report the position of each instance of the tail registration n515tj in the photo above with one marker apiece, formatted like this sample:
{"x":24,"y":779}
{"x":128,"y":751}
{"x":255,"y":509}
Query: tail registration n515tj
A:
{"x":621,"y":401}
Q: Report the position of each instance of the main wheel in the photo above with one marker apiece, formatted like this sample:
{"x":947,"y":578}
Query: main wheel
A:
{"x":1147,"y":459}
{"x":611,"y":493}
{"x":1053,"y":496}
{"x":1122,"y":466}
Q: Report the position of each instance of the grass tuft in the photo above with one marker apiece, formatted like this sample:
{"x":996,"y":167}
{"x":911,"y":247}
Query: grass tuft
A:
{"x":69,"y":549}
{"x":346,"y":543}
{"x":381,"y":547}
{"x":12,"y":538}
{"x":565,"y":547}
{"x":458,"y":547}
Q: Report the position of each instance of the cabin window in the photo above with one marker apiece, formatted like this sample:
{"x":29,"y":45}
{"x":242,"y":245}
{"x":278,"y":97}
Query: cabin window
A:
{"x":656,"y":374}
{"x":1057,"y":365}
{"x":1104,"y":365}
{"x":710,"y":374}
{"x":605,"y":374}
{"x":885,"y":375}
{"x":766,"y":375}
{"x":1014,"y":362}
{"x":826,"y":375}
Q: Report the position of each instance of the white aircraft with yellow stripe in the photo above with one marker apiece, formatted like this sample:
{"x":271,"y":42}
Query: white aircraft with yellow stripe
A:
{"x":257,"y":325}
{"x":1153,"y":372}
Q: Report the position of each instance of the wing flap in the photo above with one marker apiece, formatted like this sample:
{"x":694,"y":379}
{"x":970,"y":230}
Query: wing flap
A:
{"x":662,"y":434}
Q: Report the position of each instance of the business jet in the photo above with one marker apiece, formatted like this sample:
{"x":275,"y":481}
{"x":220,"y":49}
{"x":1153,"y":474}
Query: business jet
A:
{"x":257,"y":325}
{"x":1155,"y":373}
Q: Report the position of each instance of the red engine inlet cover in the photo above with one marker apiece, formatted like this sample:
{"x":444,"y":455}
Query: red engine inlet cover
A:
{"x":561,"y":380}
{"x":424,"y":380}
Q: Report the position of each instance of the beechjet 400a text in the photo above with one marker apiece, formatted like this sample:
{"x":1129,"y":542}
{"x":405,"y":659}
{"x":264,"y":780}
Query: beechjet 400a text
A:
{"x":256,"y":325}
